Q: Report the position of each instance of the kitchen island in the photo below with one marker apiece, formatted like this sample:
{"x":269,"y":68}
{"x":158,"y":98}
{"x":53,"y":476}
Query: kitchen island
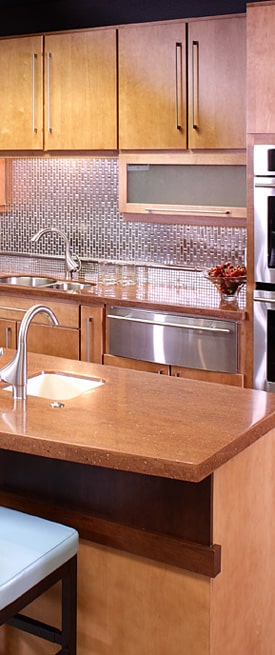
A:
{"x":171,"y":486}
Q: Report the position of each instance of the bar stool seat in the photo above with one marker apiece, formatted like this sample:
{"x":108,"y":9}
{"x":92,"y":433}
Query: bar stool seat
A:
{"x":34,"y":555}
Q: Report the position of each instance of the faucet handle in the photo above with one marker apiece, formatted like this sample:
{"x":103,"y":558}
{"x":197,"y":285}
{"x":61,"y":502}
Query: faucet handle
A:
{"x":1,"y":351}
{"x":77,"y":261}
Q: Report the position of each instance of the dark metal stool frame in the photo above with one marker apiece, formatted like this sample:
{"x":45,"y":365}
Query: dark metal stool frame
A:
{"x":66,"y":637}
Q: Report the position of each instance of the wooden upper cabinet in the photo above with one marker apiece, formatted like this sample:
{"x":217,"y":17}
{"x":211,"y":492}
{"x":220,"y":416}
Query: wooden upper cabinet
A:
{"x":260,"y":68}
{"x":21,"y":93}
{"x":80,"y":91}
{"x":152,"y":86}
{"x":155,"y":90}
{"x":217,"y":83}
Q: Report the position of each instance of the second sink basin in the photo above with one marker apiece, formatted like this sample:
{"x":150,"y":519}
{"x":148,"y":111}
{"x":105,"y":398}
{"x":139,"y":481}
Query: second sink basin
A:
{"x":49,"y":282}
{"x":60,"y":386}
{"x":70,"y":286}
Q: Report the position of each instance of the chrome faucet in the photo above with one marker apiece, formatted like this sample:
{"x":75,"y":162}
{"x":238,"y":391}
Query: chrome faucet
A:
{"x":72,"y":262}
{"x":15,"y":372}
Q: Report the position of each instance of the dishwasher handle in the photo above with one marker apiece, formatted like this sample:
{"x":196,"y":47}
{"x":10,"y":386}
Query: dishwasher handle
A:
{"x":172,"y":325}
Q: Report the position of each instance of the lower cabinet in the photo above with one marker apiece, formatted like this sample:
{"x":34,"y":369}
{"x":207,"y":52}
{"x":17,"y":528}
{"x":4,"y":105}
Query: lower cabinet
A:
{"x":136,"y":364}
{"x":43,"y":338}
{"x":47,"y":340}
{"x":236,"y":379}
{"x":7,"y":333}
{"x":79,"y":334}
{"x":91,"y":326}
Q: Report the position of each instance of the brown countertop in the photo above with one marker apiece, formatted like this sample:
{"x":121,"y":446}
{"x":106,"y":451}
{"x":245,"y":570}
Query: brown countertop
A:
{"x":139,"y":422}
{"x":175,"y":291}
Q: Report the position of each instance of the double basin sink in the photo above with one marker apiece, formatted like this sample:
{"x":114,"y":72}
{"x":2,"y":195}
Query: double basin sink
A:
{"x":44,"y":282}
{"x":52,"y":385}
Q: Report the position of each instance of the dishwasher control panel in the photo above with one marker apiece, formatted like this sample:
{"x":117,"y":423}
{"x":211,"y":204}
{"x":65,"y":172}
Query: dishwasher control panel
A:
{"x":174,"y":339}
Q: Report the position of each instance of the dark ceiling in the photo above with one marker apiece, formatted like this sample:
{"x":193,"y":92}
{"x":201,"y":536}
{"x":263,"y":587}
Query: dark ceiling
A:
{"x":23,"y":16}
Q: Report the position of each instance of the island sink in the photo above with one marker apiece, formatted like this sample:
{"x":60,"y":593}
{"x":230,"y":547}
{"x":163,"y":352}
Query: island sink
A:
{"x":59,"y":386}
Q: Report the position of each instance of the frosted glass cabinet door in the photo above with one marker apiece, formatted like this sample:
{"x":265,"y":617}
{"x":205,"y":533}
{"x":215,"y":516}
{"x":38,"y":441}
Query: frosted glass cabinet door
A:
{"x":21,"y":107}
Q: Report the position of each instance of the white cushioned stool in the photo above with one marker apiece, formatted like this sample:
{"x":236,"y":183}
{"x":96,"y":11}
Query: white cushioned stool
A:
{"x":34,"y":555}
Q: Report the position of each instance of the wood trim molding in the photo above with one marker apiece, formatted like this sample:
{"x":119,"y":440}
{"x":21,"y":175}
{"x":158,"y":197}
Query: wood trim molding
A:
{"x":174,"y":551}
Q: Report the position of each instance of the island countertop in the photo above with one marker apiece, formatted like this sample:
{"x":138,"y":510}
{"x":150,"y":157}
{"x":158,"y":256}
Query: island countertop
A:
{"x":138,"y":422}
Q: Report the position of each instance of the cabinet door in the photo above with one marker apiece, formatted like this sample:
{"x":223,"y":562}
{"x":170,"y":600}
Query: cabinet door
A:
{"x":152,"y":86}
{"x":217,"y":83}
{"x":136,"y":364}
{"x":235,"y":379}
{"x":80,"y":90}
{"x":21,"y":93}
{"x":60,"y":342}
{"x":260,"y":68}
{"x":92,"y":334}
{"x":7,"y":333}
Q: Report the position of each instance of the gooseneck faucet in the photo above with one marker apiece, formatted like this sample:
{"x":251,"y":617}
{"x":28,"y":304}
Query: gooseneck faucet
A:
{"x":72,"y":262}
{"x":15,"y":372}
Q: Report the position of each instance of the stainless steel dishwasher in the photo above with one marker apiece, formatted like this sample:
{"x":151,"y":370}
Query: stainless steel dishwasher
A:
{"x":178,"y":340}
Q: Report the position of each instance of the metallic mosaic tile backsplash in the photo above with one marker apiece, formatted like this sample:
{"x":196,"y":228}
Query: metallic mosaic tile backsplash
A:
{"x":80,"y":196}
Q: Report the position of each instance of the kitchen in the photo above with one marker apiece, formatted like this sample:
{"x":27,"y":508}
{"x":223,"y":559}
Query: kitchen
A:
{"x":161,"y":242}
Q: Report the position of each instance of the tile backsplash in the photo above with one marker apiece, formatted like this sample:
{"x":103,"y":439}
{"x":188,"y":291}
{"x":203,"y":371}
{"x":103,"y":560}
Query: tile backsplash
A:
{"x":80,"y":196}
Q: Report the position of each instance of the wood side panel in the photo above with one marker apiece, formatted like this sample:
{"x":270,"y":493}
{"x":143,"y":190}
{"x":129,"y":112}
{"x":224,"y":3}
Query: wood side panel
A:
{"x":126,"y":604}
{"x":260,"y":68}
{"x":242,"y":616}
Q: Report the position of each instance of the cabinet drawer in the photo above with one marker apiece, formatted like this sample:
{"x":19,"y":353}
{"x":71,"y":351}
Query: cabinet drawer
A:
{"x":173,"y":339}
{"x":137,"y":365}
{"x":59,"y":342}
{"x":14,"y":307}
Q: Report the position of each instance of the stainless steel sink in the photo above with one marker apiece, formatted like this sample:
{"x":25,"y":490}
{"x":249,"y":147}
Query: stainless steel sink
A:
{"x":49,"y":282}
{"x":58,"y":386}
{"x":59,"y":285}
{"x":27,"y":280}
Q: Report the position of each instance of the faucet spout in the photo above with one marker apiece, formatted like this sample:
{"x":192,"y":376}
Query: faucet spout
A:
{"x":72,"y":262}
{"x":15,"y":372}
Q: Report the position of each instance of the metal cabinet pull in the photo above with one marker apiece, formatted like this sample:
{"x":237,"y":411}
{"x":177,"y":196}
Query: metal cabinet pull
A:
{"x":178,"y":86}
{"x":195,"y":85}
{"x":34,"y":60}
{"x":222,"y":212}
{"x":265,"y":185}
{"x":49,"y":56}
{"x":183,"y":326}
{"x":7,"y":337}
{"x":89,"y":321}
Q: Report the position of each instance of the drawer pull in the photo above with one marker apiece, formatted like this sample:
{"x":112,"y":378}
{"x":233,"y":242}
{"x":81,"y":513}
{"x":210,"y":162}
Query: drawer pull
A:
{"x":172,"y":325}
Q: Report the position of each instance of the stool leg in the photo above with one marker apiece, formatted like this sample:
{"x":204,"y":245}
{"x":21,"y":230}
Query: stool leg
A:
{"x":69,"y":608}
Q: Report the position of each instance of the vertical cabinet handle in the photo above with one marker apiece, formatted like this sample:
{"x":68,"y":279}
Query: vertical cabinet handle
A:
{"x":178,"y":86}
{"x":49,"y":128}
{"x":195,"y":85}
{"x":34,"y":61}
{"x":89,"y":321}
{"x":7,"y":337}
